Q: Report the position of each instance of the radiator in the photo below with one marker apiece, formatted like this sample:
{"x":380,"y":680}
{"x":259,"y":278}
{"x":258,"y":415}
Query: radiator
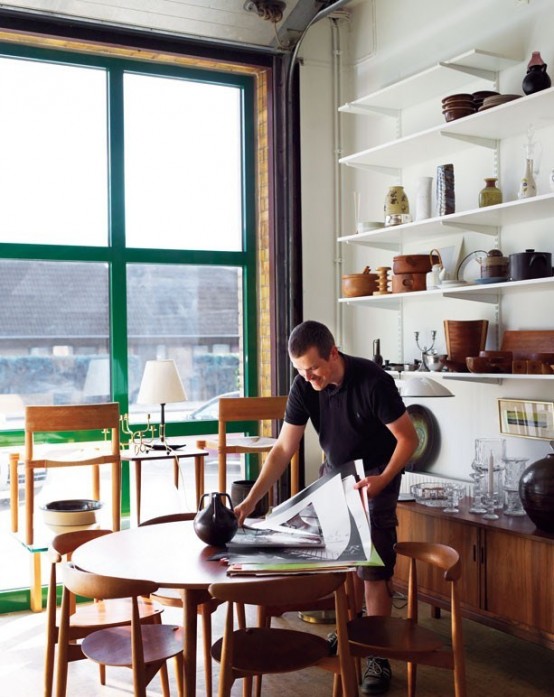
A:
{"x":409,"y":478}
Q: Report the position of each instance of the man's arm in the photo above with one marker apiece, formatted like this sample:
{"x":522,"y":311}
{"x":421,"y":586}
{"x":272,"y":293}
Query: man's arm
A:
{"x":406,"y":442}
{"x":275,"y":464}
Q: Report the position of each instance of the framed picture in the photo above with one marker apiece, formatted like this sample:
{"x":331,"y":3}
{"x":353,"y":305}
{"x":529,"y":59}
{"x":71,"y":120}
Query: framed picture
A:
{"x":526,"y":418}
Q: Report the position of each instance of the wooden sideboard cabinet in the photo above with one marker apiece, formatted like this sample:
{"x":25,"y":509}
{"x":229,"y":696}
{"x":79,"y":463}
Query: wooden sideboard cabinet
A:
{"x":507,"y":574}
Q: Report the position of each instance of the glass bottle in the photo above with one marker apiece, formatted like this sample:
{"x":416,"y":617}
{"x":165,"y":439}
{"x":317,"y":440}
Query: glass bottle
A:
{"x":490,"y":195}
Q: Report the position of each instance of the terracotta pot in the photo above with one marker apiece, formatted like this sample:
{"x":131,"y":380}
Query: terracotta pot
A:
{"x":408,"y":282}
{"x":414,"y":263}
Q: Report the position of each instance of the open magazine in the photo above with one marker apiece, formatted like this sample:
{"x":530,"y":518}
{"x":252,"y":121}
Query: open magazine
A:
{"x":325,"y":526}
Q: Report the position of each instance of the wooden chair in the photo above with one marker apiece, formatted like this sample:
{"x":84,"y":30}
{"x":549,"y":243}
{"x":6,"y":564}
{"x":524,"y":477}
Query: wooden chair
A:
{"x":73,"y":417}
{"x":83,"y":619}
{"x":144,"y":648}
{"x":404,"y":639}
{"x":255,"y":651}
{"x":249,"y":409}
{"x":172,"y":597}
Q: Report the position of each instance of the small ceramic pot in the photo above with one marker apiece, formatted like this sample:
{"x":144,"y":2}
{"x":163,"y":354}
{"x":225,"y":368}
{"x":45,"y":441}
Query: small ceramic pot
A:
{"x":530,"y":264}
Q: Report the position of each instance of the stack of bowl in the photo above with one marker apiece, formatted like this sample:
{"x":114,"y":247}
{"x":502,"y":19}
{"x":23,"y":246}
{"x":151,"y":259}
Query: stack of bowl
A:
{"x":497,"y":100}
{"x":479,"y":97}
{"x":456,"y":106}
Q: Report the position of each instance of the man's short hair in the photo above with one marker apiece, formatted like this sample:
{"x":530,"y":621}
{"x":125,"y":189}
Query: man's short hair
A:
{"x":311,"y":334}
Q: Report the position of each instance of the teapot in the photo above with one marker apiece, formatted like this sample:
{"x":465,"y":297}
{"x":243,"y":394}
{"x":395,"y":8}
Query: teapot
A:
{"x":215,"y":524}
{"x":494,"y":265}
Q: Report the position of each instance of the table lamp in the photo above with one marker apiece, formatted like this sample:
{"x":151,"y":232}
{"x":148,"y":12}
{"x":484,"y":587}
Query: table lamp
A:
{"x":161,"y":384}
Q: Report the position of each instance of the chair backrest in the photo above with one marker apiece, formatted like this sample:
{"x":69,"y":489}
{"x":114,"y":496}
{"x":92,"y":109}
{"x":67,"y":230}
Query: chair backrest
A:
{"x":72,"y":417}
{"x":441,"y":557}
{"x":95,"y":586}
{"x":250,"y":409}
{"x":279,"y":590}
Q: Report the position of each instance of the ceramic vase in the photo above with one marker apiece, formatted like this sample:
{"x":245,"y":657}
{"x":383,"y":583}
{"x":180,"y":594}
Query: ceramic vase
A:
{"x":397,"y":207}
{"x":536,"y":489}
{"x":527,"y":185}
{"x":490,"y":195}
{"x":215,"y":524}
{"x":537,"y":78}
{"x":446,"y":201}
{"x":423,"y":198}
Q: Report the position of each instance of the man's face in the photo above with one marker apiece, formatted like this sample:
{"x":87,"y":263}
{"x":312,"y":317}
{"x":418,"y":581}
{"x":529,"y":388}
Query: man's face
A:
{"x":318,"y":371}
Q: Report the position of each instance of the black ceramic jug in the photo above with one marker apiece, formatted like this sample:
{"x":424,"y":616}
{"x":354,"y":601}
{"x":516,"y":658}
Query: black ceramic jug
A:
{"x":537,"y":78}
{"x":215,"y":524}
{"x":536,"y":490}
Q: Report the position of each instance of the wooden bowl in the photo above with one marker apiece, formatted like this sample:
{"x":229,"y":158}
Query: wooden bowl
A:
{"x":359,"y":284}
{"x":477,"y":364}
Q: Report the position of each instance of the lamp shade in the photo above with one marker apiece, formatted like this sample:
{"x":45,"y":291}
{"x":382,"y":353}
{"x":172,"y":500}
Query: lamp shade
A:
{"x":161,"y":383}
{"x":424,"y":387}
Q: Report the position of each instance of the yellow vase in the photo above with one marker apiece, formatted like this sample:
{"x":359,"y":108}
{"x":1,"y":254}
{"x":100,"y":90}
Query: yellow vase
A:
{"x":397,"y":207}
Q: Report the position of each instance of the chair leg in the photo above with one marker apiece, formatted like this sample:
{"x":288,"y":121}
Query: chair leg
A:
{"x":207,"y":635}
{"x":179,"y":669}
{"x":411,"y":674}
{"x":247,"y":686}
{"x":102,"y":671}
{"x":337,"y":685}
{"x":164,"y":679}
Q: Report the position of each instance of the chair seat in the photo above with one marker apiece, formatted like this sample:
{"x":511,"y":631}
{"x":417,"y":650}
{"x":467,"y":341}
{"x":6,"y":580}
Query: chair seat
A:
{"x":263,"y":650}
{"x":392,"y":634}
{"x":111,"y":613}
{"x":113,"y":646}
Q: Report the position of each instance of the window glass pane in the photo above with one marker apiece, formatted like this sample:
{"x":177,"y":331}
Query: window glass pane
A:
{"x":53,"y":169}
{"x":53,"y":341}
{"x":182,"y":164}
{"x":192,"y":314}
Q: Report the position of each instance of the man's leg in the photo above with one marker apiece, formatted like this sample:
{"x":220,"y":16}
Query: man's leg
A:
{"x":378,"y":597}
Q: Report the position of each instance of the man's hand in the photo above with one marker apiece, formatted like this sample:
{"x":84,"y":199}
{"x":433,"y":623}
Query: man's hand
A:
{"x":375,"y":485}
{"x":243,"y":510}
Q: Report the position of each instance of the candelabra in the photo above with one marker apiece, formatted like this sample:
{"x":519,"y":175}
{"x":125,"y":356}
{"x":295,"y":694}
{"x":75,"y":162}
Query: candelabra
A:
{"x":426,"y":350}
{"x":141,"y":439}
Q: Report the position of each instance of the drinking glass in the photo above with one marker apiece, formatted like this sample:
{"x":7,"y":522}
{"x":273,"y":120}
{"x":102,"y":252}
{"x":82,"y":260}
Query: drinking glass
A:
{"x":515,"y":467}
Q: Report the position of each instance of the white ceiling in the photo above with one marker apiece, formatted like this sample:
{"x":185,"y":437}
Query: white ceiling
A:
{"x":226,"y":21}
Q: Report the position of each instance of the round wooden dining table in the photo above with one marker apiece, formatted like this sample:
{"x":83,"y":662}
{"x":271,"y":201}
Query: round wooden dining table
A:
{"x":169,"y":554}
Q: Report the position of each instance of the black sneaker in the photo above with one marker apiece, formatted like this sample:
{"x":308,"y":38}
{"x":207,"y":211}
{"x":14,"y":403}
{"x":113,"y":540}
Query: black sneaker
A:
{"x":333,"y":641}
{"x":377,"y":676}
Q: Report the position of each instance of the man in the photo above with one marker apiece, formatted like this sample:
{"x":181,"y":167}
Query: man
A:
{"x":358,"y":413}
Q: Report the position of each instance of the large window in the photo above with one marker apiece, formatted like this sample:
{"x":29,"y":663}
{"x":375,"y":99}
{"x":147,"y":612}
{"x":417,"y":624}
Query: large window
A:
{"x":126,"y":234}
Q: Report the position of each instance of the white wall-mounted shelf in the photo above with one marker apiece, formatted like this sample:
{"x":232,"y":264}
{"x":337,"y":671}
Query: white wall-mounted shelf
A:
{"x":483,"y":128}
{"x":439,"y":80}
{"x":488,"y":293}
{"x":493,"y":378}
{"x":484,"y":220}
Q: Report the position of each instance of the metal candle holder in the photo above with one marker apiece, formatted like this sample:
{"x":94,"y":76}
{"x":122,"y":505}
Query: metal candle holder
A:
{"x":425,"y":350}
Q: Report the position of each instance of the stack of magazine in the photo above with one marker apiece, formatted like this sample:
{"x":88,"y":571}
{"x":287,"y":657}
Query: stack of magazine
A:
{"x":324,"y":527}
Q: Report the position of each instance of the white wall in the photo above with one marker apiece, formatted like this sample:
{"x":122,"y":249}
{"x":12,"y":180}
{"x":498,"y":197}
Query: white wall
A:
{"x":384,"y":42}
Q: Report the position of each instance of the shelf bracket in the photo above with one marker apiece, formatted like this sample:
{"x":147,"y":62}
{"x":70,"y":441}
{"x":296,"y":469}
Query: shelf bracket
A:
{"x":477,"y":72}
{"x":471,"y":377}
{"x":490,"y":143}
{"x":474,"y":227}
{"x":391,"y":171}
{"x":365,"y":109}
{"x":476,"y":297}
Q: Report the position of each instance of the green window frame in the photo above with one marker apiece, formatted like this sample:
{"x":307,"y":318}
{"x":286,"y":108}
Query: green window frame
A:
{"x":117,"y":256}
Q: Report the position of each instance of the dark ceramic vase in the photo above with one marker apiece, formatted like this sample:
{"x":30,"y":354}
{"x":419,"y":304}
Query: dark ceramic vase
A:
{"x":215,"y":524}
{"x":536,"y":79}
{"x":536,"y":490}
